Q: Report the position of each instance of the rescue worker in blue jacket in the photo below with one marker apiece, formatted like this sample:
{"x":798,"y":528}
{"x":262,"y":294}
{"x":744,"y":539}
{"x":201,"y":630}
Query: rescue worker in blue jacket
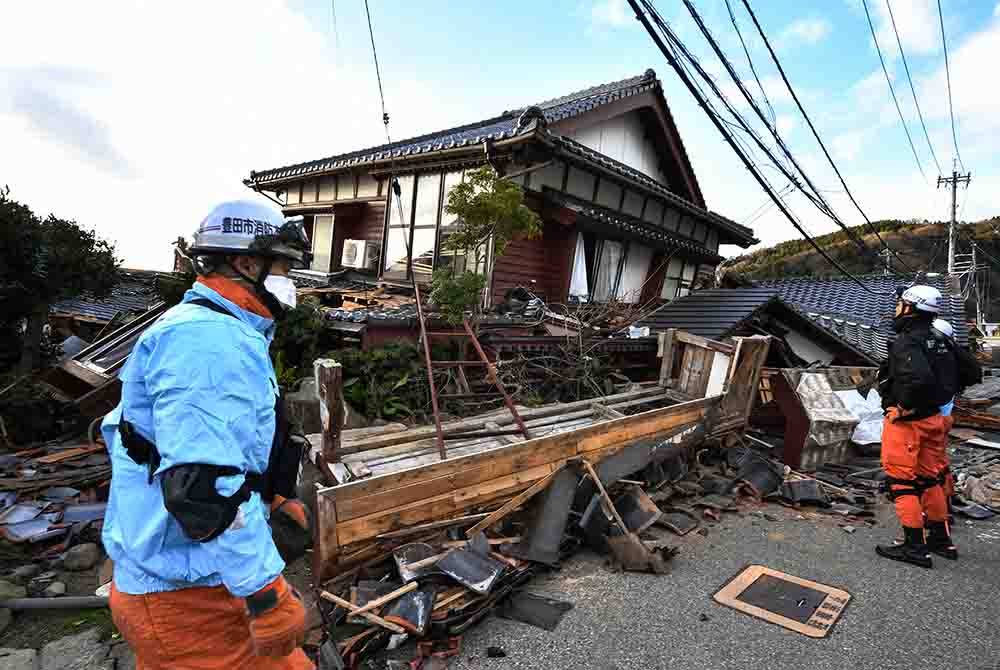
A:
{"x":201,"y":460}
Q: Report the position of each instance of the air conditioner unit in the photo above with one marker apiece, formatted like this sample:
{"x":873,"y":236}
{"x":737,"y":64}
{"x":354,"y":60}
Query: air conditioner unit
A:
{"x":360,"y":254}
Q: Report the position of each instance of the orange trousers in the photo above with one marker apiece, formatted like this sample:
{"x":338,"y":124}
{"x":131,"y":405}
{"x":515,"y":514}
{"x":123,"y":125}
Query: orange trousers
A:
{"x":912,"y":450}
{"x":200,"y":628}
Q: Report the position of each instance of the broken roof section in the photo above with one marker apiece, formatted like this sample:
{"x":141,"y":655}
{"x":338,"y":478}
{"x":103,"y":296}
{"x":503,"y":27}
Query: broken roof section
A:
{"x":135,"y":293}
{"x":553,"y":124}
{"x":720,"y":313}
{"x":861,"y":317}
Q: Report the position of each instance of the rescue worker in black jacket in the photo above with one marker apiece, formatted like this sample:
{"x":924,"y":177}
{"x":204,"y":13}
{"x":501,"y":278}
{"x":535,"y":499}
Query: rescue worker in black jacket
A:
{"x":920,"y":375}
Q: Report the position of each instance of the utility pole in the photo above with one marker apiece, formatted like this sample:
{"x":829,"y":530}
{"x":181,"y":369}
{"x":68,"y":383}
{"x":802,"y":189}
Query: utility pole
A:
{"x":954,"y":180}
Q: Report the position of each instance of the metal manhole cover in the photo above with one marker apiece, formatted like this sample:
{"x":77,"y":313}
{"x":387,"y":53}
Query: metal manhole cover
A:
{"x":797,"y":604}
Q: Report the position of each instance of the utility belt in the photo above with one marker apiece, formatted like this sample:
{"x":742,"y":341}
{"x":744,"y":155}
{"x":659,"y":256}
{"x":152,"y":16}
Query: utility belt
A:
{"x":217,"y":512}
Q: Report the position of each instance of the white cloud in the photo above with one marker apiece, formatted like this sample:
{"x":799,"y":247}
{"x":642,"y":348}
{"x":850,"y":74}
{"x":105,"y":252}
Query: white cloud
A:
{"x":996,"y":10}
{"x":786,"y":124}
{"x":917,"y":23}
{"x":807,"y":31}
{"x":612,"y":13}
{"x":137,"y":117}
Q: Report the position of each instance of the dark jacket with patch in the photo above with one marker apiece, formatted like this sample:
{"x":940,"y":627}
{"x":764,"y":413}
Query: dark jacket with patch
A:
{"x":921,"y":373}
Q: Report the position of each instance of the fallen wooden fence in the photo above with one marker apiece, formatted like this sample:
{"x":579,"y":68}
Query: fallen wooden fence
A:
{"x":350,"y":517}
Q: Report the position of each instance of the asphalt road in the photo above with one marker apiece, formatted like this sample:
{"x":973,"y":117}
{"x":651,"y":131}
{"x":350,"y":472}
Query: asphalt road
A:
{"x":900,"y":616}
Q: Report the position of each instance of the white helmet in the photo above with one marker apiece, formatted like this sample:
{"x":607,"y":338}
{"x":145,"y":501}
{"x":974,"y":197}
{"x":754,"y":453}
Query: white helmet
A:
{"x":943,"y":327}
{"x":923,"y":298}
{"x":248,"y":227}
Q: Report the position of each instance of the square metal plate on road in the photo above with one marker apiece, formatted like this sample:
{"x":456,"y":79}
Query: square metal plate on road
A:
{"x":797,"y":604}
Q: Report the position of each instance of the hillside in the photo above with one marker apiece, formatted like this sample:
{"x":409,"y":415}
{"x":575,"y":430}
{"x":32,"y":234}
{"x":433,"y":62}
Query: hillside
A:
{"x":922,"y":245}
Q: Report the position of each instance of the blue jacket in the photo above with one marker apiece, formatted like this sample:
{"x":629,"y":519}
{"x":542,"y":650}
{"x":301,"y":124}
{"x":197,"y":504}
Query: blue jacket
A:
{"x":199,"y":385}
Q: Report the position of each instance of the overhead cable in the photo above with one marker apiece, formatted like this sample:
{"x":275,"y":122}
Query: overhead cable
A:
{"x":378,"y":74}
{"x":816,"y":197}
{"x":753,"y":70}
{"x":916,"y":102}
{"x":668,"y":53}
{"x":815,"y":133}
{"x":892,"y":91}
{"x":947,"y":72}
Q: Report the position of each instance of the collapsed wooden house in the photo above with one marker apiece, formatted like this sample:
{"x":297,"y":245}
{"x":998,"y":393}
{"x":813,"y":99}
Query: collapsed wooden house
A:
{"x":411,"y":490}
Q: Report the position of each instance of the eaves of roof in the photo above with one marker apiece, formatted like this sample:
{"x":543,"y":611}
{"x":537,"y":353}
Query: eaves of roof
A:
{"x":572,"y":149}
{"x":630,"y":225}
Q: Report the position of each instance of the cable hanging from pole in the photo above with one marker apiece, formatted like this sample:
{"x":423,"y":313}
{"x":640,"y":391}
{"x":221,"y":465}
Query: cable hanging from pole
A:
{"x":812,"y":128}
{"x":674,"y":62}
{"x":892,"y":91}
{"x":378,"y":74}
{"x":816,"y":197}
{"x":913,"y":90}
{"x":947,"y":72}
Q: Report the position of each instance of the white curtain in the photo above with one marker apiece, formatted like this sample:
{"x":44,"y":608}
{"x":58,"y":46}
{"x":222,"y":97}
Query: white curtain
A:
{"x":578,"y":280}
{"x":634,"y":274}
{"x":607,"y":270}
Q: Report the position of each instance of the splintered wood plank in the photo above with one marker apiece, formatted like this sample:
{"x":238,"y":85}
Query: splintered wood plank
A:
{"x":425,"y":510}
{"x":69,"y":454}
{"x":513,"y":504}
{"x":325,"y":549}
{"x":485,"y":469}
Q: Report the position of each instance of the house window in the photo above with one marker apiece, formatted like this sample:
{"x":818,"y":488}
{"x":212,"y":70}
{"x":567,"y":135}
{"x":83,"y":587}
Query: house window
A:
{"x":617,"y":270}
{"x":634,"y":271}
{"x":609,"y":262}
{"x":425,"y":219}
{"x":397,"y":237}
{"x":322,"y":242}
{"x":460,"y":260}
{"x":679,"y":278}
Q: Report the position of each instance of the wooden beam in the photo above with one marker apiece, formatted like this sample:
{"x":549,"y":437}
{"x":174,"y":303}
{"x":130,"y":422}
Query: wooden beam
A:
{"x":665,"y":351}
{"x":329,"y":382}
{"x":513,"y":504}
{"x":379,"y":621}
{"x":688,"y":338}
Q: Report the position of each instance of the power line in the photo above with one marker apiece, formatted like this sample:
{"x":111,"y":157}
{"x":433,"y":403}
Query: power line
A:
{"x":739,"y":34}
{"x":714,"y":117}
{"x":947,"y":71}
{"x":816,"y":197}
{"x":378,"y":74}
{"x":798,"y":103}
{"x":892,"y":91}
{"x":913,"y":90}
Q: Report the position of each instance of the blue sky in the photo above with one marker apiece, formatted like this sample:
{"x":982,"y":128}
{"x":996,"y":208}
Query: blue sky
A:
{"x":138,"y":116}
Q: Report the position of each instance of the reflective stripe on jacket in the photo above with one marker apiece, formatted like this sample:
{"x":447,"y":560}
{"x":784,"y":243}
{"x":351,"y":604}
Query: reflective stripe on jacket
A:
{"x":199,"y":385}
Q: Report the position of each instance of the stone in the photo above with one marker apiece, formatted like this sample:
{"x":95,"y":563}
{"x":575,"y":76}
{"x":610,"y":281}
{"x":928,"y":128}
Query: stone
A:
{"x":125,"y":657}
{"x":6,"y":616}
{"x":25,"y":573}
{"x":18,"y":659}
{"x":54,"y":590}
{"x":82,"y":651}
{"x":82,"y":557}
{"x":8,"y":590}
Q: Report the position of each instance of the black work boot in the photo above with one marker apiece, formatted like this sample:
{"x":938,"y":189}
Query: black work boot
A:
{"x":939,"y":540}
{"x":912,"y":550}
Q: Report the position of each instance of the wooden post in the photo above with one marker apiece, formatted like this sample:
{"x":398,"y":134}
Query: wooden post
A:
{"x":329,"y":382}
{"x":666,"y":353}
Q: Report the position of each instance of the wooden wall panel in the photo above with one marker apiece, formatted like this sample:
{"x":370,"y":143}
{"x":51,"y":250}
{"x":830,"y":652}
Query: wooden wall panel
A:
{"x":547,"y":260}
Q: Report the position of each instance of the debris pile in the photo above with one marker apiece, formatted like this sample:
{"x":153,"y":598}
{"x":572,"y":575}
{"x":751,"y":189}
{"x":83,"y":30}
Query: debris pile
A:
{"x":434,"y":581}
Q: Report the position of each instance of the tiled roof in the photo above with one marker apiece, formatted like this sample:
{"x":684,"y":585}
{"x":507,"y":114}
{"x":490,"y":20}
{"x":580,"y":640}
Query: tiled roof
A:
{"x":711,"y":313}
{"x":496,"y":128}
{"x":576,"y":149}
{"x":632,"y":225}
{"x":721,"y":312}
{"x":135,"y":292}
{"x":857,"y":315}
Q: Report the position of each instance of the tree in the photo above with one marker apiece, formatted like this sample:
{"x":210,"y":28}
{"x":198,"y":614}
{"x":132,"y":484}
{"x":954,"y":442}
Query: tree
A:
{"x":43,"y":262}
{"x":490,"y":209}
